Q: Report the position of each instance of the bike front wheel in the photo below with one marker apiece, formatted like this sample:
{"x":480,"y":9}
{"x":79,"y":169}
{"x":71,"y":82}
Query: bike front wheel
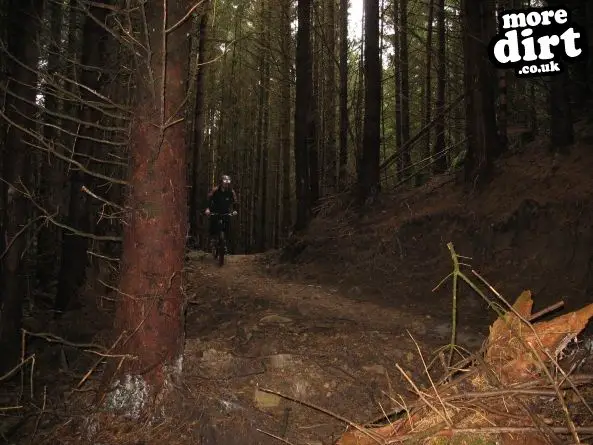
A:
{"x":221,"y":249}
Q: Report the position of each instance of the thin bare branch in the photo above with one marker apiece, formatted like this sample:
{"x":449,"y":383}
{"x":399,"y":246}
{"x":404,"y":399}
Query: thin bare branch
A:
{"x":109,"y":30}
{"x":103,"y":200}
{"x":420,"y":394}
{"x":88,"y":138}
{"x":19,"y":233}
{"x":185,"y":17}
{"x":50,"y":149}
{"x":113,"y":8}
{"x":149,"y":50}
{"x":55,"y":144}
{"x":14,"y":370}
{"x":62,"y":115}
{"x":98,"y":362}
{"x":52,"y":338}
{"x":66,"y":79}
{"x":366,"y":432}
{"x":103,"y":257}
{"x":25,"y":192}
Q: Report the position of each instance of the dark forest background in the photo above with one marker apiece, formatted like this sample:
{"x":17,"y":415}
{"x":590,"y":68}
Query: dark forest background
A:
{"x":117,"y":117}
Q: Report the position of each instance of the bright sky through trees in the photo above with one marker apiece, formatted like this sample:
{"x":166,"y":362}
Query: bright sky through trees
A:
{"x":355,"y":12}
{"x":355,"y":19}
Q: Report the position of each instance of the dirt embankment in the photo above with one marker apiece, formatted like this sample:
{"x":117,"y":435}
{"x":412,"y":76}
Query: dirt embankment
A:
{"x":532,"y":228}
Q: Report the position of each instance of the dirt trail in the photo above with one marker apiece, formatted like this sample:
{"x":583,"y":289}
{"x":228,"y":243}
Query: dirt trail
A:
{"x":309,"y":300}
{"x":247,"y":329}
{"x":243,"y":279}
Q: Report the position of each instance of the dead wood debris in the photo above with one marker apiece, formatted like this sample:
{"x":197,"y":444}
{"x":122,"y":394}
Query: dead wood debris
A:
{"x":514,"y":391}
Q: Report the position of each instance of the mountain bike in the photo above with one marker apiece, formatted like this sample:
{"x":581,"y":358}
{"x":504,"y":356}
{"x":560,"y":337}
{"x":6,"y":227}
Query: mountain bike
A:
{"x":219,"y":248}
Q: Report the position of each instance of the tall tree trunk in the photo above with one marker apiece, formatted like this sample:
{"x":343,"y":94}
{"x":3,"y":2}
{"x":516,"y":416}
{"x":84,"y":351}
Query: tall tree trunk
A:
{"x":382,"y":136}
{"x":4,"y":75}
{"x":24,"y":19}
{"x":150,"y":306}
{"x":440,"y":159}
{"x":220,"y":124}
{"x":74,"y":247}
{"x":480,"y":117}
{"x":358,"y":107}
{"x":589,"y":61}
{"x":580,"y":88}
{"x":254,"y":180}
{"x":330,"y":99}
{"x":265,"y":130}
{"x":369,"y":179}
{"x":533,"y":121}
{"x":406,"y":159}
{"x":304,"y":119}
{"x":502,"y":115}
{"x":561,"y":127}
{"x":428,"y":79}
{"x":397,"y":77}
{"x":343,"y":93}
{"x":319,"y":67}
{"x":51,"y":175}
{"x":458,"y":116}
{"x":285,"y":111}
{"x":197,"y":172}
{"x":257,"y":197}
{"x":314,"y":149}
{"x":502,"y":110}
{"x":236,"y":138}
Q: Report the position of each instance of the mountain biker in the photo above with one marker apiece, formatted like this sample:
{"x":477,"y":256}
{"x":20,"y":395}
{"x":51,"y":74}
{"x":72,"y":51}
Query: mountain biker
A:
{"x":221,"y":200}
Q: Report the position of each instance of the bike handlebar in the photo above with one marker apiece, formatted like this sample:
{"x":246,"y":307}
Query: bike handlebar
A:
{"x":223,"y":214}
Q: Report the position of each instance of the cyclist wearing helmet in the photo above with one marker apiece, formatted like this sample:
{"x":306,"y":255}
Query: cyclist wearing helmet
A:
{"x":220,"y":200}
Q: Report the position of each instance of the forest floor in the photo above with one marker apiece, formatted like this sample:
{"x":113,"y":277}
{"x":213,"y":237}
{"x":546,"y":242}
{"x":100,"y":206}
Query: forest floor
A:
{"x":307,"y":341}
{"x":327,"y":319}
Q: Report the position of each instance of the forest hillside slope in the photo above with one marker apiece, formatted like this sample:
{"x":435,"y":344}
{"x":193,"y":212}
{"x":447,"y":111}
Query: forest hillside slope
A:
{"x":529,"y":229}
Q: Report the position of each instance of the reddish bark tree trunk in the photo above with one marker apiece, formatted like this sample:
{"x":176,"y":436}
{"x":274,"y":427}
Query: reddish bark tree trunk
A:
{"x":150,"y":310}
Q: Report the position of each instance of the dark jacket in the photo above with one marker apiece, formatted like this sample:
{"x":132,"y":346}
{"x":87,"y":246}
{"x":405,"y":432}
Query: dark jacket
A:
{"x":221,"y":201}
